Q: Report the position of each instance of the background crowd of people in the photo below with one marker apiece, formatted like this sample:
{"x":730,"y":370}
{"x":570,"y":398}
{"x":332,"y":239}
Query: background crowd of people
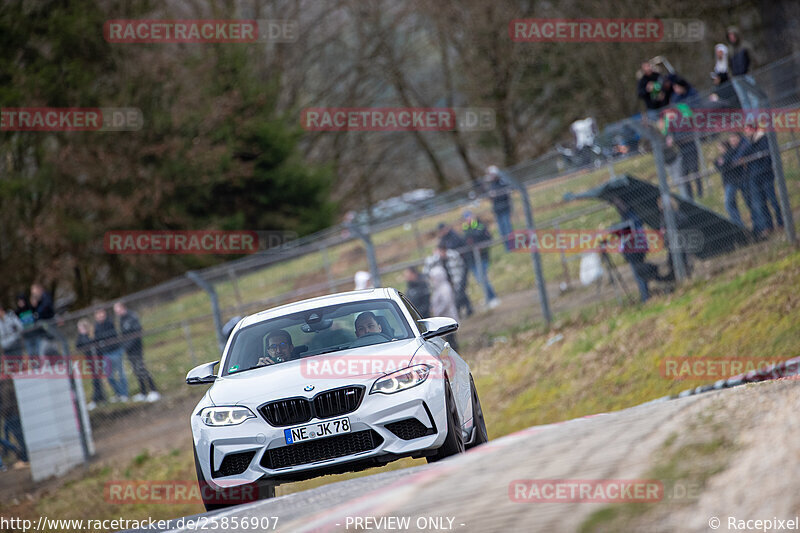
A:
{"x":28,"y":331}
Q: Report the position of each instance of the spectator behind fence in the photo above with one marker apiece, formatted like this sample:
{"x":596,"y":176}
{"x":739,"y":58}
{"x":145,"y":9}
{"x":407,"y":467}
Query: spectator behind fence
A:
{"x":680,"y":153}
{"x":42,"y":305}
{"x":477,"y":236}
{"x":84,"y":343}
{"x":683,"y":92}
{"x":362,"y":280}
{"x":721,"y":67}
{"x":108,"y":345}
{"x":417,"y":291}
{"x":762,"y":180}
{"x":734,"y":176}
{"x":25,"y":313}
{"x":453,"y":266}
{"x":450,"y":239}
{"x":740,"y":53}
{"x":131,"y":331}
{"x":498,"y":190}
{"x":11,"y":330}
{"x":443,"y":299}
{"x":632,"y":225}
{"x":652,"y":89}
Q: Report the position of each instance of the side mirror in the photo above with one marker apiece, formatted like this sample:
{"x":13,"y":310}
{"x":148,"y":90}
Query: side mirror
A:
{"x":202,"y":374}
{"x":438,"y":326}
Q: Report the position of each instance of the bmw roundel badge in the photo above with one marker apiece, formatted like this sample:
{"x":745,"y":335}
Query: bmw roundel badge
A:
{"x":308,"y":388}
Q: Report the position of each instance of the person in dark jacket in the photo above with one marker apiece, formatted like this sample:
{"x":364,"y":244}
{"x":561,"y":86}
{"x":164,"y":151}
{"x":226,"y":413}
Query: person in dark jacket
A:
{"x":108,"y":345}
{"x":740,"y":53}
{"x":42,"y":305}
{"x":734,"y":176}
{"x":477,"y":236}
{"x":762,"y":180}
{"x":498,"y":189}
{"x":682,"y":149}
{"x":683,"y":92}
{"x":653,"y":88}
{"x":85,"y":344}
{"x":417,"y":291}
{"x":131,"y":331}
{"x":631,"y":224}
{"x":450,"y":239}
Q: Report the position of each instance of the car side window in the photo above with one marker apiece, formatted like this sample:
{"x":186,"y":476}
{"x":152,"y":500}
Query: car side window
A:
{"x":414,"y":314}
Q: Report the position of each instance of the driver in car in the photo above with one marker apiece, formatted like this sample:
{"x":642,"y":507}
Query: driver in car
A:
{"x":279,"y":348}
{"x":366,"y":323}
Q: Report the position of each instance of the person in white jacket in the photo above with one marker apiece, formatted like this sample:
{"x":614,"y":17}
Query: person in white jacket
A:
{"x":443,"y":299}
{"x":10,"y":333}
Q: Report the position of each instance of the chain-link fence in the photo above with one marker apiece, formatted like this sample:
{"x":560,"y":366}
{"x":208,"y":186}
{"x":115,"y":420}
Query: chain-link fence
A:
{"x":625,"y":216}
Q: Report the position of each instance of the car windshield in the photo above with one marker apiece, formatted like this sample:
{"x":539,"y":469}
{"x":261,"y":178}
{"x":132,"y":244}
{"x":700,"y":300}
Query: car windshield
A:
{"x":316,"y":331}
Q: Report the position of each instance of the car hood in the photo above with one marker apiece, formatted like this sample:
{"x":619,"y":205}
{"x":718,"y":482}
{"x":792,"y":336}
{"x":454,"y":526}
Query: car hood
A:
{"x":317,"y":373}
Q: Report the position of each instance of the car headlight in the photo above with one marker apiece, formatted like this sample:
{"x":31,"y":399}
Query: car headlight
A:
{"x":225,"y":416}
{"x":401,"y":379}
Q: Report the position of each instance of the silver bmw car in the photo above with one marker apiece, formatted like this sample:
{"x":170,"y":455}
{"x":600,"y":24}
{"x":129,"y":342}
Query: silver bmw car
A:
{"x":330,"y":385}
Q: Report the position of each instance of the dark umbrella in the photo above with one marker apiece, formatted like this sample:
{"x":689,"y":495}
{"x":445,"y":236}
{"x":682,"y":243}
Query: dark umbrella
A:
{"x":718,"y":235}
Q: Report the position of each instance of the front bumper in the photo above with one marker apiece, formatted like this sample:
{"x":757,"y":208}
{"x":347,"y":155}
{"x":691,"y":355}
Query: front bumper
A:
{"x":220,"y":448}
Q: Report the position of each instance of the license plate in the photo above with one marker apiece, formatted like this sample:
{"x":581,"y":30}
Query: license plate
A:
{"x":317,"y":430}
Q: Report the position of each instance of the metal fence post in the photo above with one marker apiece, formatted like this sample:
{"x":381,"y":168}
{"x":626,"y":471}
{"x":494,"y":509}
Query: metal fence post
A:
{"x":657,"y":142}
{"x":370,"y":248}
{"x":212,"y":295}
{"x":563,"y":259}
{"x":235,"y":284}
{"x":702,"y":160}
{"x":535,"y":257}
{"x":783,"y":193}
{"x":326,"y":263}
{"x":187,"y":332}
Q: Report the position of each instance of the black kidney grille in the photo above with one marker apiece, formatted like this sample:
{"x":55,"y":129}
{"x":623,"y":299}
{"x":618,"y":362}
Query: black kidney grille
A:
{"x":321,"y":449}
{"x":287,"y":412}
{"x":337,"y":401}
{"x":409,"y":429}
{"x":293,"y":411}
{"x":234,"y":463}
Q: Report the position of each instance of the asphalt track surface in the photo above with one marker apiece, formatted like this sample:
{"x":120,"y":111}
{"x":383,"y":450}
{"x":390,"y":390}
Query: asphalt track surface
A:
{"x":473,"y":492}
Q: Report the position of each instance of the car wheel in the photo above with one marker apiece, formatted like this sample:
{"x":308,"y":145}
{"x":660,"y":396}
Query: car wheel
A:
{"x":454,"y":442}
{"x":480,"y":436}
{"x":214,"y":500}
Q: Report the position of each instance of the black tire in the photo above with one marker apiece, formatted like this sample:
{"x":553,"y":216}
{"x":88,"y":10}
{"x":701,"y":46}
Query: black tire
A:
{"x":234,"y":496}
{"x":480,"y":435}
{"x":454,"y":442}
